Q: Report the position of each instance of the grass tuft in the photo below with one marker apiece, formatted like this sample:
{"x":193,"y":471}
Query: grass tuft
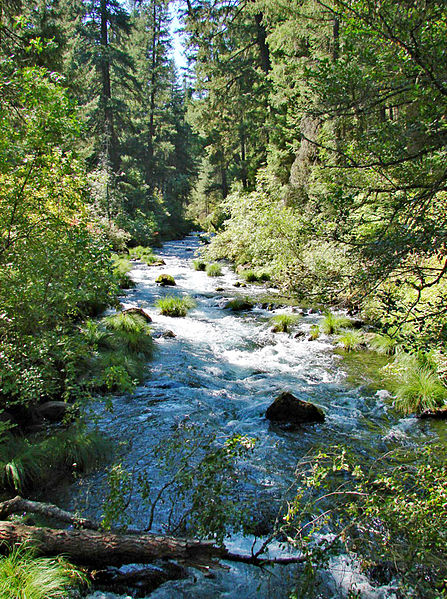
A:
{"x":314,"y":332}
{"x":351,"y":340}
{"x":175,"y":306}
{"x":213,"y":270}
{"x":420,"y":390}
{"x":333,"y":323}
{"x":199,"y":264}
{"x":26,"y":576}
{"x":131,"y":333}
{"x":252,"y":276}
{"x":238,"y":304}
{"x":282,"y":323}
{"x":383,"y":344}
{"x":121,"y":268}
{"x":145,"y":254}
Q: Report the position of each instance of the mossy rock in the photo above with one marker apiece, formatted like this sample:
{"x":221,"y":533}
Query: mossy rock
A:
{"x":165,"y":280}
{"x":239,"y":305}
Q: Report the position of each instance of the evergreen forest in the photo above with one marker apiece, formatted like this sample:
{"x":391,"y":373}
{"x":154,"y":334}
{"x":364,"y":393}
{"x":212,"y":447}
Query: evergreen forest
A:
{"x":303,"y":145}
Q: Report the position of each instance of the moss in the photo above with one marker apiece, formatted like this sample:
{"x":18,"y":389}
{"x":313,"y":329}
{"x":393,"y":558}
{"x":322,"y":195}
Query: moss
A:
{"x":165,"y":280}
{"x":239,"y":304}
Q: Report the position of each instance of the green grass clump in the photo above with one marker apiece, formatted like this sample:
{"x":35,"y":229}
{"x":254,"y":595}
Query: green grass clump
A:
{"x":131,"y":333}
{"x":332,"y":323}
{"x":252,"y":276}
{"x":175,"y":306}
{"x":383,"y":344}
{"x":199,"y":264}
{"x":282,"y":323}
{"x":145,"y":254}
{"x":420,"y":390}
{"x":121,"y":268}
{"x":351,"y":340}
{"x":25,"y":464}
{"x":213,"y":270}
{"x":314,"y":332}
{"x":238,"y":304}
{"x":23,"y":575}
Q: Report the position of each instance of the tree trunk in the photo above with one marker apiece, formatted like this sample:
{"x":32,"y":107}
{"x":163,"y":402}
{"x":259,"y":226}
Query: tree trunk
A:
{"x":102,"y":548}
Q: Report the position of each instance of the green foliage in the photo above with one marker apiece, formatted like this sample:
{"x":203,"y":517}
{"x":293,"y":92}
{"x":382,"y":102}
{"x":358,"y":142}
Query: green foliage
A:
{"x":199,"y":264}
{"x":201,"y":473}
{"x":351,"y":340}
{"x":213,"y":270}
{"x":23,"y":575}
{"x":145,"y":254}
{"x":121,"y":269}
{"x":252,"y":276}
{"x":282,"y":323}
{"x":405,"y":498}
{"x":173,"y":305}
{"x":383,"y":344}
{"x":131,"y":333}
{"x":333,"y":323}
{"x":239,"y":304}
{"x":417,"y":382}
{"x":26,"y":464}
{"x":314,"y":332}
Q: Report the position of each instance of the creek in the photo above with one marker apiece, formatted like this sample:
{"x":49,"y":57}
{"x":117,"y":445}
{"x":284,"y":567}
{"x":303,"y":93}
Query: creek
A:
{"x":220,"y":373}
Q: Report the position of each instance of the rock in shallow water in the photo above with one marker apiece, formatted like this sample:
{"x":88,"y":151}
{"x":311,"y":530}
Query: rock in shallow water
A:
{"x":290,"y":409}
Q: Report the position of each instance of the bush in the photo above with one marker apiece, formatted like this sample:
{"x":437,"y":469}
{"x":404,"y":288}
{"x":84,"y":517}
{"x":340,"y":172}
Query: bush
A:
{"x":332,"y":323}
{"x":199,"y":264}
{"x":282,"y":323}
{"x":25,"y":576}
{"x":213,"y":270}
{"x":175,"y":306}
{"x":351,"y":340}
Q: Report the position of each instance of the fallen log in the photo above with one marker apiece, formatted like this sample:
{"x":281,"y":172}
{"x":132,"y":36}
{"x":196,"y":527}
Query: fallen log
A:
{"x":95,"y":548}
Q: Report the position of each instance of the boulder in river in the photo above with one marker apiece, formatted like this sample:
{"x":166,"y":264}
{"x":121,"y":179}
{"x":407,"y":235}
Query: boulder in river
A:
{"x":290,"y":409}
{"x":165,"y":280}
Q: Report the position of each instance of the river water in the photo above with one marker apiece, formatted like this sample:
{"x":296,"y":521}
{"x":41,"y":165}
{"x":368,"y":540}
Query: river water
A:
{"x":219,"y":374}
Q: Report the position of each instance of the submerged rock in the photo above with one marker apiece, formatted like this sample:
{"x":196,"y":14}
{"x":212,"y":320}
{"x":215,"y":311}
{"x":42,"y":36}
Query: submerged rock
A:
{"x":288,"y":408}
{"x":437,"y":414}
{"x":169,"y":335}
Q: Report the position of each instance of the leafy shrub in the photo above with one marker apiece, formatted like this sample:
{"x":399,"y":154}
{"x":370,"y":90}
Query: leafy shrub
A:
{"x":175,"y":306}
{"x":351,"y":340}
{"x":199,"y":264}
{"x":25,"y":576}
{"x":282,"y":323}
{"x":333,"y":323}
{"x":142,"y":227}
{"x":238,"y":304}
{"x":213,"y":270}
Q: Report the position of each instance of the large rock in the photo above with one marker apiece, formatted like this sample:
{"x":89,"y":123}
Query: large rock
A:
{"x":165,"y":280}
{"x":54,"y":411}
{"x":288,"y":408}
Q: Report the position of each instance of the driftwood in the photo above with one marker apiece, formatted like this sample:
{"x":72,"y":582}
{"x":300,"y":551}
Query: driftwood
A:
{"x":94,"y":548}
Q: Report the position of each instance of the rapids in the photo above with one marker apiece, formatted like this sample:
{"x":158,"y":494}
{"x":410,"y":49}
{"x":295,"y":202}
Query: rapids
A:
{"x":220,"y":372}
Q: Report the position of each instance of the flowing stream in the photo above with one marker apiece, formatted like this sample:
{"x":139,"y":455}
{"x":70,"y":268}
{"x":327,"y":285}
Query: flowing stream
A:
{"x":220,"y":373}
